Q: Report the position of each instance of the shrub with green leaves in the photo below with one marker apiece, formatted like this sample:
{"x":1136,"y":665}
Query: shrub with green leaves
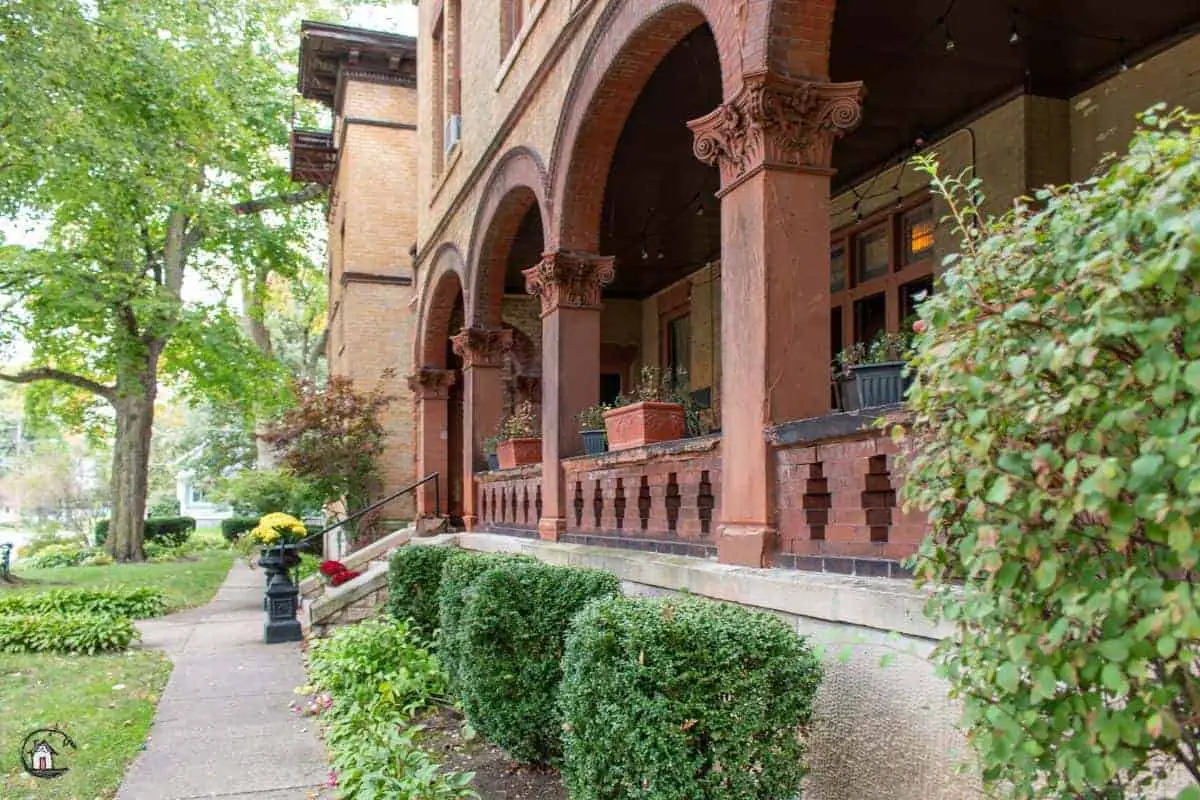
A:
{"x":233,"y":527}
{"x":460,"y":571}
{"x":414,"y":574}
{"x":357,"y":659}
{"x":55,"y":556}
{"x":142,"y":602}
{"x":514,"y":627}
{"x":679,"y":697}
{"x":167,"y":531}
{"x":57,"y":632}
{"x":1056,"y":422}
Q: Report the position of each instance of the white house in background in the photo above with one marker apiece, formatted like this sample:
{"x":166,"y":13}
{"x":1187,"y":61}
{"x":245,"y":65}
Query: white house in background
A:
{"x":193,"y":498}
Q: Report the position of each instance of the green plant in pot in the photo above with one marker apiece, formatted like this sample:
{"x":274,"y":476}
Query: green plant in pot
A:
{"x":873,"y":374}
{"x":490,"y":445}
{"x":520,"y":438}
{"x":655,"y":411}
{"x":591,"y":428}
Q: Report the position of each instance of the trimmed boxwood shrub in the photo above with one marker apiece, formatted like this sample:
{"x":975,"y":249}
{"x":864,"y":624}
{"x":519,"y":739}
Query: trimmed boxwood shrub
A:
{"x":513,"y":630}
{"x":460,"y":571}
{"x":234,"y":527}
{"x":140,"y":603}
{"x":65,"y":633}
{"x":169,"y":531}
{"x":414,"y":574}
{"x":684,"y":698}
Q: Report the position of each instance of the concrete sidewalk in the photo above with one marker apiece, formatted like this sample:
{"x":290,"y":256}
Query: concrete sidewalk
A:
{"x":224,"y":728}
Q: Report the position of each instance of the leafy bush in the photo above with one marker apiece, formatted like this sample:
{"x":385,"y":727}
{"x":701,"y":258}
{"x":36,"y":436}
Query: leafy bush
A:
{"x":163,"y":505}
{"x":1056,"y":424}
{"x":255,"y":492}
{"x":169,"y":531}
{"x":353,"y":662}
{"x":462,"y":568}
{"x":47,"y":538}
{"x":234,"y":527}
{"x":679,"y":697}
{"x":58,"y":555}
{"x":514,"y":627}
{"x":64,"y":633}
{"x":140,"y":603}
{"x":414,"y":574}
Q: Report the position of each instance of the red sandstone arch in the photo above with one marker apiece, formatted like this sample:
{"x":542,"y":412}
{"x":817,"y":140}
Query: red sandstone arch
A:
{"x":442,"y":292}
{"x":517,"y":183}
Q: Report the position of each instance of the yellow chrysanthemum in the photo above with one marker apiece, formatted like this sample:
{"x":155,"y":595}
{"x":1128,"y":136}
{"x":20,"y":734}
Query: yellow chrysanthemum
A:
{"x":273,"y":528}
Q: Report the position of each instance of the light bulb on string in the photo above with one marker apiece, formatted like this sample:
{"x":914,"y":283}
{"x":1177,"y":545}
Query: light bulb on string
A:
{"x":1014,"y":38}
{"x":950,"y":43}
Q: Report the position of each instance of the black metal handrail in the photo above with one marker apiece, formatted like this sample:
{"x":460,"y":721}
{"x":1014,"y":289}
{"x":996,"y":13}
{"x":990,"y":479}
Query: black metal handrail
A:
{"x":437,"y":506}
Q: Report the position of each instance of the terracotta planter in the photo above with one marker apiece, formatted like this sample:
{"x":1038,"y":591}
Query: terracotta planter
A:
{"x":644,"y":423}
{"x":519,"y":452}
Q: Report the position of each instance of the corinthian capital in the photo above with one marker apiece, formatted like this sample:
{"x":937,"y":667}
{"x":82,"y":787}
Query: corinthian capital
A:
{"x":482,"y":347}
{"x":428,"y":383}
{"x":779,"y":122}
{"x":566,"y":279}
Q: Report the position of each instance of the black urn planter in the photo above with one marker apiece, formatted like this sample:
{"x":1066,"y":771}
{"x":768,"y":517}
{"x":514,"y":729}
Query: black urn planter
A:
{"x":882,"y":384}
{"x":595,"y":442}
{"x":493,"y":461}
{"x":282,"y":599}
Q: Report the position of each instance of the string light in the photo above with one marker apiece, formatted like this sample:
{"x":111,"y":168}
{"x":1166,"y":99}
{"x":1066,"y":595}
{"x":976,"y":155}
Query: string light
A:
{"x":1014,"y":38}
{"x":950,"y":43}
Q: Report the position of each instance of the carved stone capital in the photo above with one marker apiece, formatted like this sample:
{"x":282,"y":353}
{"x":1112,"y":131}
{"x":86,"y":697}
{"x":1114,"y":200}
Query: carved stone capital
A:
{"x":428,"y":383}
{"x":777,"y":122}
{"x":482,"y":347}
{"x":567,"y":279}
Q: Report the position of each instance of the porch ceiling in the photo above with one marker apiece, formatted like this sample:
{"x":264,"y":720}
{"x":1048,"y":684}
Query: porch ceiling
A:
{"x":917,"y":87}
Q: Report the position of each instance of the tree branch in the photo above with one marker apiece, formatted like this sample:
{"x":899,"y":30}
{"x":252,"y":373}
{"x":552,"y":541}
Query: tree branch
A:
{"x":50,"y":374}
{"x":310,"y":191}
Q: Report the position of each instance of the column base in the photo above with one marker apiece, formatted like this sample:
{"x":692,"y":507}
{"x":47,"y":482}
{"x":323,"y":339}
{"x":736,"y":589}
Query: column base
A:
{"x":469,"y":522}
{"x":550,"y":528}
{"x":745,"y":545}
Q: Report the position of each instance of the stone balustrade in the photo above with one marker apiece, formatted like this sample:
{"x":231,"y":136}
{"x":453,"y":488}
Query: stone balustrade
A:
{"x":510,"y":500}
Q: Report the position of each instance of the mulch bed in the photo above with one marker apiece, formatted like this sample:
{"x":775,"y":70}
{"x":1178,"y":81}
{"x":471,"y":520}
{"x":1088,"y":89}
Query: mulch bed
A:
{"x":497,"y":777}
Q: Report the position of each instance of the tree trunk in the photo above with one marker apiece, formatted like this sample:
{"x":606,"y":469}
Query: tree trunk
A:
{"x":131,"y":459}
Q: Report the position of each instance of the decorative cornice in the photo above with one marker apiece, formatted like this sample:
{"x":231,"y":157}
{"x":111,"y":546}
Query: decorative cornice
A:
{"x":482,"y":347}
{"x":568,"y":279}
{"x":428,"y":383}
{"x":374,"y":277}
{"x":777,"y":122}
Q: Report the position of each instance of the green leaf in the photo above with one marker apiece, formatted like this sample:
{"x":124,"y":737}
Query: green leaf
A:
{"x":1114,"y":649}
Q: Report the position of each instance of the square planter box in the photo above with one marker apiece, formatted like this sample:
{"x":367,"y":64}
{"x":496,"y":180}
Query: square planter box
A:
{"x":643,"y":423}
{"x":882,"y":384}
{"x":594,"y":442}
{"x":519,"y":452}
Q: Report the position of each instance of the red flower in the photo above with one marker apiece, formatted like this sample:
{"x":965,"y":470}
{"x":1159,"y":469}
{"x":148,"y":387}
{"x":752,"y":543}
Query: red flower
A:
{"x":344,"y":576}
{"x":331,"y":568}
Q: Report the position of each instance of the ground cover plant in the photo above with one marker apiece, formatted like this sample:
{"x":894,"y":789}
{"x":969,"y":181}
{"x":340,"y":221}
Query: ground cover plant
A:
{"x":106,"y":703}
{"x":681,"y":697}
{"x":135,"y":602}
{"x":1056,"y":424}
{"x":58,"y":632}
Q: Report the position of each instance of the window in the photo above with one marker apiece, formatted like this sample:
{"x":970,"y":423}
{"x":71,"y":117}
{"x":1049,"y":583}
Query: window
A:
{"x":610,"y":387}
{"x":880,"y":269}
{"x":679,"y":348}
{"x":512,"y":19}
{"x":447,"y":80}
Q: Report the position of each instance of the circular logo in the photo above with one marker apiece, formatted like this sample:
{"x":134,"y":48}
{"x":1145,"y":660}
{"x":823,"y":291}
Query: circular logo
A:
{"x":46,"y":751}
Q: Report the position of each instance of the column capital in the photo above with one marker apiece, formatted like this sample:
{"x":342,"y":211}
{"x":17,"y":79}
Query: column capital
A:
{"x":482,"y":347}
{"x":569,"y":279}
{"x":429,"y":383}
{"x":777,"y":122}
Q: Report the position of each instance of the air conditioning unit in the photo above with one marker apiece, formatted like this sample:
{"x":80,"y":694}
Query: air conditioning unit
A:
{"x":453,"y":131}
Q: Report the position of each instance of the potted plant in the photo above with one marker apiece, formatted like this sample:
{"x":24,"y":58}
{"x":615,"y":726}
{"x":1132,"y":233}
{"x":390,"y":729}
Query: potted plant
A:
{"x":651,"y":413}
{"x":877,"y":370}
{"x":489,"y":451}
{"x":591,"y":428}
{"x":520,"y":438}
{"x":843,"y":376}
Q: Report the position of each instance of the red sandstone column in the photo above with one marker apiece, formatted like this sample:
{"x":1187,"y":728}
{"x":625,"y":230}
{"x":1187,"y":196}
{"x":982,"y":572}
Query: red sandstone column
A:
{"x":773,"y":143}
{"x":483,"y":351}
{"x":569,"y":286}
{"x":431,"y":388}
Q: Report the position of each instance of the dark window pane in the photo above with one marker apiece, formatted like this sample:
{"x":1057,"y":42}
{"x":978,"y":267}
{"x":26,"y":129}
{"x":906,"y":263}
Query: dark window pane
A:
{"x":610,"y":387}
{"x":917,"y":227}
{"x":837,"y":268}
{"x":870,"y":317}
{"x":911,"y":295}
{"x":871,"y":253}
{"x":679,"y":349}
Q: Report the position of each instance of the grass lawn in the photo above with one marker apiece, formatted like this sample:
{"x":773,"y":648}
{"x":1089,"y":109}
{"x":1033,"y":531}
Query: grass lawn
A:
{"x":185,"y":583}
{"x":105,"y":703}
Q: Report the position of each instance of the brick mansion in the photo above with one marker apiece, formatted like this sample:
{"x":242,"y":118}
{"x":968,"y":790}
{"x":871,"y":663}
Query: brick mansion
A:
{"x":534,"y":200}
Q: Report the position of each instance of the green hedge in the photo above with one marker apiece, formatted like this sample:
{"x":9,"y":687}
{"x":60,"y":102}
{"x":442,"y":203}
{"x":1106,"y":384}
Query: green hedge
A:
{"x":460,"y":571}
{"x":234,"y":527}
{"x":414,"y":574}
{"x":65,"y":633}
{"x":169,"y":531}
{"x":140,"y":603}
{"x":679,"y":697}
{"x":514,"y":627}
